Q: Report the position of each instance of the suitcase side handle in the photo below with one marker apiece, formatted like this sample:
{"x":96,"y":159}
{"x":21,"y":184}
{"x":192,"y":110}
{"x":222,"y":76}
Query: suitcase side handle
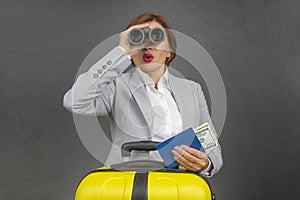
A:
{"x":139,"y":146}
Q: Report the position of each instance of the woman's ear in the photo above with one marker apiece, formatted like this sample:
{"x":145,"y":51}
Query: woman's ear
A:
{"x":167,"y":59}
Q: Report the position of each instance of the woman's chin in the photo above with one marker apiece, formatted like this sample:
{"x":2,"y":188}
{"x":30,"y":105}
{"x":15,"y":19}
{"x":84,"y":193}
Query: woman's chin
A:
{"x":150,"y":67}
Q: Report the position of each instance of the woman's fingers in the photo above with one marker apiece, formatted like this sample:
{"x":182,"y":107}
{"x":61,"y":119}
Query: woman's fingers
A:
{"x":185,"y":162}
{"x":192,"y":159}
{"x":138,"y":26}
{"x":194,"y":152}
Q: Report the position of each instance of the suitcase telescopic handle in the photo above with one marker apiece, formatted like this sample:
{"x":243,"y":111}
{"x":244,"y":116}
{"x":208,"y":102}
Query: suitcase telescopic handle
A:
{"x":139,"y":146}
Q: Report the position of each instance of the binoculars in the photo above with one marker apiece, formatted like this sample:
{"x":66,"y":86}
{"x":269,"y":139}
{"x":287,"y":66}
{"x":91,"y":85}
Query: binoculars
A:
{"x":137,"y":36}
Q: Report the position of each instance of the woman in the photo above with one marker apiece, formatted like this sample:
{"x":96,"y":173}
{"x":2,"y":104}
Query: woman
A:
{"x":146,"y":103}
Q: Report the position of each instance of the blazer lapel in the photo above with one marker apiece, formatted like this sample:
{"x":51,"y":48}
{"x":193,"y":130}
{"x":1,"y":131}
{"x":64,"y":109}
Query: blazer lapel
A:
{"x":185,"y":101}
{"x":137,"y":87}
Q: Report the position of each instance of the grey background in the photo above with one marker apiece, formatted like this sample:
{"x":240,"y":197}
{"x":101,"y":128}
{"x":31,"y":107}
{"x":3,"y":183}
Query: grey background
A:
{"x":255,"y":44}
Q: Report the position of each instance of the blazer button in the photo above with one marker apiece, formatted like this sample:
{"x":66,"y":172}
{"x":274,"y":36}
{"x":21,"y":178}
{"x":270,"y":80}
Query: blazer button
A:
{"x":95,"y":75}
{"x":104,"y":66}
{"x":109,"y":62}
{"x":100,"y":71}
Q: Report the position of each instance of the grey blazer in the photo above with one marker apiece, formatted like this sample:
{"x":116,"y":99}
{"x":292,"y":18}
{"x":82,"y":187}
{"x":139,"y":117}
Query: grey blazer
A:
{"x":104,"y":90}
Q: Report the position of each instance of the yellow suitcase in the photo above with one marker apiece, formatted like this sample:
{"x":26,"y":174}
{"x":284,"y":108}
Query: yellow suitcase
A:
{"x":142,"y":180}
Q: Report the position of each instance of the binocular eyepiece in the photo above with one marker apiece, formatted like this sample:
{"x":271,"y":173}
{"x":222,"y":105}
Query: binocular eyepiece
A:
{"x":137,"y":35}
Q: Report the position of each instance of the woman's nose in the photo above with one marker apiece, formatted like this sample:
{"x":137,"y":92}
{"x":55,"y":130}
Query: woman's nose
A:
{"x":148,"y":48}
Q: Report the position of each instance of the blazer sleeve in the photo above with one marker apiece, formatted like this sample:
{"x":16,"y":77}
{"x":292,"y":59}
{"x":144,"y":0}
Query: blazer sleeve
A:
{"x":215,"y":155}
{"x":93,"y":91}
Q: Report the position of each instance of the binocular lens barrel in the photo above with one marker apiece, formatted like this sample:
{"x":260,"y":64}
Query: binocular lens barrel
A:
{"x":157,"y":35}
{"x":137,"y":35}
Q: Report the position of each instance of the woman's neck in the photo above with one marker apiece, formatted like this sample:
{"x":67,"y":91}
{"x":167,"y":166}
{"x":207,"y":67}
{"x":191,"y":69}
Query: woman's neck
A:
{"x":155,"y":75}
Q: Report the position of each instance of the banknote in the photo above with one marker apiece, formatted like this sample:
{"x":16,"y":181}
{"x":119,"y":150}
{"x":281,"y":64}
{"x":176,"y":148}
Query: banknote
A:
{"x":206,"y":136}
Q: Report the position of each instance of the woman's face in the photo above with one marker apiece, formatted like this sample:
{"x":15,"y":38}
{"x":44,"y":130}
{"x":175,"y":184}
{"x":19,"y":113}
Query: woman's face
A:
{"x":149,"y":56}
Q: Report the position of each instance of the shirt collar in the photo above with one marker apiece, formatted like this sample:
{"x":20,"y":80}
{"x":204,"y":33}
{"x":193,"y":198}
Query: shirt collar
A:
{"x":163,"y":81}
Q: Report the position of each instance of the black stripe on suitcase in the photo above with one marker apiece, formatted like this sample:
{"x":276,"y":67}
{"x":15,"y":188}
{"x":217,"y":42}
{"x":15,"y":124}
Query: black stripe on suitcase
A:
{"x":140,"y":185}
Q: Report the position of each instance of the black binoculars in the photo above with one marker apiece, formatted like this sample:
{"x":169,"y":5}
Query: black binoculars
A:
{"x":137,"y":35}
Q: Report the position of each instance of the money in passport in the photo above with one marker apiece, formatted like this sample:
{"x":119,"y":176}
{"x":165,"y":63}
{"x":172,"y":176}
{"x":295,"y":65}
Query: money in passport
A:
{"x":206,"y":136}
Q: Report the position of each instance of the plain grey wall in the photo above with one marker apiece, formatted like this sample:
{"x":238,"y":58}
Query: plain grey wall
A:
{"x":255,"y":44}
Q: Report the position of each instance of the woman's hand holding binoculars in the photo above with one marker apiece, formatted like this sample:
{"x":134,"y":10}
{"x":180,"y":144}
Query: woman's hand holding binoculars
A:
{"x":124,"y":40}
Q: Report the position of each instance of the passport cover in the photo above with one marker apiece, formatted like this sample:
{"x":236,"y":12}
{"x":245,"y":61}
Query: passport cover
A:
{"x":186,"y":137}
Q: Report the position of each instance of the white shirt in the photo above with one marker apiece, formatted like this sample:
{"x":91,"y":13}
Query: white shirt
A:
{"x":167,"y":120}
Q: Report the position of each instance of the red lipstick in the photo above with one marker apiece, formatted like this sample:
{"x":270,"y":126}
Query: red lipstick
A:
{"x":148,"y":57}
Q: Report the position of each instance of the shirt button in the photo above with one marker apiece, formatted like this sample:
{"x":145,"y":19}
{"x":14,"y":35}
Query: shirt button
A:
{"x":109,"y":62}
{"x":104,"y":66}
{"x":100,"y":71}
{"x":95,"y":75}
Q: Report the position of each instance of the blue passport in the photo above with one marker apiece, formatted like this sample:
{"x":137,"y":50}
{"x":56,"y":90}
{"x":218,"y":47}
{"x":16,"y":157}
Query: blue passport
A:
{"x":186,"y":137}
